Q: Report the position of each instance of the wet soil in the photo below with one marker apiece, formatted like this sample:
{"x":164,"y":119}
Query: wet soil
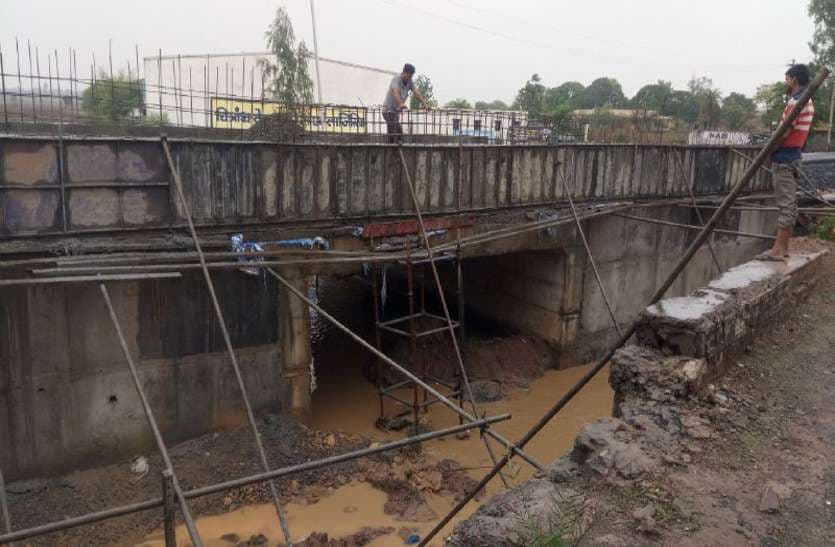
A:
{"x":760,"y":466}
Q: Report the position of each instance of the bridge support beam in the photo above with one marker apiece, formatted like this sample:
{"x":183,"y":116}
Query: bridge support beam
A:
{"x":539,"y":293}
{"x":294,"y":343}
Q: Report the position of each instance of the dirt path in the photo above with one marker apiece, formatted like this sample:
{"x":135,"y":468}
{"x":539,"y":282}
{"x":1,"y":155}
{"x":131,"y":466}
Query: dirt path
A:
{"x":764,"y":473}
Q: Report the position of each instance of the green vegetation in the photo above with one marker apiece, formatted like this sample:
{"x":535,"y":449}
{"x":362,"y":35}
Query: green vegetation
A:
{"x":424,"y":85}
{"x":112,"y":99}
{"x":533,"y":534}
{"x":288,"y":77}
{"x":824,"y":228}
{"x":458,"y":103}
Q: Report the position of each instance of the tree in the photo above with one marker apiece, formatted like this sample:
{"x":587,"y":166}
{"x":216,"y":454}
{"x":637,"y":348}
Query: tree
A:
{"x":287,"y":75}
{"x":531,"y":97}
{"x":602,"y":93}
{"x":707,"y":97}
{"x":772,"y":101}
{"x":424,"y":85}
{"x":738,"y":112}
{"x":823,"y":40}
{"x":492,"y":105}
{"x":682,"y":105}
{"x":112,"y":99}
{"x":565,"y":94}
{"x":823,"y":46}
{"x":655,"y":96}
{"x":458,"y":103}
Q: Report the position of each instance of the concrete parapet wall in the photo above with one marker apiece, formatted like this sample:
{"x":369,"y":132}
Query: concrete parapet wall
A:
{"x":690,"y":337}
{"x":92,"y":185}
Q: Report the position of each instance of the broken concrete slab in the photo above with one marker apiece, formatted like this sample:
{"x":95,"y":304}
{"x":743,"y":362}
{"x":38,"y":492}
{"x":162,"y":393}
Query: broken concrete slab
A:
{"x":723,"y":316}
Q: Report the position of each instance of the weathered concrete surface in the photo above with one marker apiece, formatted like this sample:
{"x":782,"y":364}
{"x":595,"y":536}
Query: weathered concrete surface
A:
{"x":252,"y":183}
{"x":550,"y":291}
{"x":658,"y":413}
{"x":724,"y":316}
{"x":66,"y":395}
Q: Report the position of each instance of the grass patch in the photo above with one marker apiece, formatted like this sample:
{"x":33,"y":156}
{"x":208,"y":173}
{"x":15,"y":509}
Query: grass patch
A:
{"x":823,"y":228}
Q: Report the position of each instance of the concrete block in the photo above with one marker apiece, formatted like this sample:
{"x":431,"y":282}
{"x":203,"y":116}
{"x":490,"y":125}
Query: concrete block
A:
{"x":323,"y":194}
{"x":93,"y":208}
{"x":32,"y":211}
{"x":724,"y":316}
{"x":30,"y":162}
{"x":141,"y":162}
{"x":91,"y":163}
{"x":145,"y":207}
{"x":289,"y":185}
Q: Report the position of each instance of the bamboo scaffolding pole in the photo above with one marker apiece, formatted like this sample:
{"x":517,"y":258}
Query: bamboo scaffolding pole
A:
{"x":705,"y":232}
{"x":87,"y":279}
{"x":226,"y":339}
{"x":401,"y":369}
{"x":152,"y":422}
{"x":99,"y":516}
{"x":695,"y":228}
{"x":589,"y":253}
{"x":462,"y":370}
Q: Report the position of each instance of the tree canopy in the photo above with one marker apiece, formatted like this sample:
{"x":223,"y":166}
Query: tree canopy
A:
{"x":530,"y":97}
{"x":424,"y":84}
{"x":458,"y":103}
{"x":287,"y":74}
{"x":112,"y":99}
{"x":492,"y":105}
{"x":823,"y":39}
{"x":738,"y":112}
{"x":602,"y":93}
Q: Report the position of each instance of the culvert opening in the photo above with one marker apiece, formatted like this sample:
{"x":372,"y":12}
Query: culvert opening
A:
{"x":509,"y":371}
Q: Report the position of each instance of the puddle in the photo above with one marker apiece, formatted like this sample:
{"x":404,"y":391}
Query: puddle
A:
{"x":346,"y":401}
{"x":346,"y":511}
{"x":351,"y":405}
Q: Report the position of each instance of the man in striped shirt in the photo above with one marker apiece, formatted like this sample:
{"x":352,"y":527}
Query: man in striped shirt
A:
{"x":786,"y":162}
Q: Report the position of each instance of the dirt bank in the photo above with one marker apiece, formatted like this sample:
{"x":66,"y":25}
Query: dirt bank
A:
{"x":750,"y":460}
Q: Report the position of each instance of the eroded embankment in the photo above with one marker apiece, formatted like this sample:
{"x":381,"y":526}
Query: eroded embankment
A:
{"x":700,"y":408}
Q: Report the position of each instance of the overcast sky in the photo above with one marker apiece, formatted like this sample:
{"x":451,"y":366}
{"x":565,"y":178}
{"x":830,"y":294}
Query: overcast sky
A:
{"x":476,"y":49}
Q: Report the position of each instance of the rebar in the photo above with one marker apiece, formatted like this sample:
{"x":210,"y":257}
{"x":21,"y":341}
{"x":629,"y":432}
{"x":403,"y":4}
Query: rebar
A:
{"x":427,"y":244}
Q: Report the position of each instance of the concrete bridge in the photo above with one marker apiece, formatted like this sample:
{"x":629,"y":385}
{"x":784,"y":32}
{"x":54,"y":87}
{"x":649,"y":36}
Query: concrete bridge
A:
{"x":65,"y":394}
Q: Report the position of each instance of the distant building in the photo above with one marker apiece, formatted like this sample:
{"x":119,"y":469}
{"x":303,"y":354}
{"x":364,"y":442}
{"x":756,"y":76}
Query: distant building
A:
{"x":206,"y":90}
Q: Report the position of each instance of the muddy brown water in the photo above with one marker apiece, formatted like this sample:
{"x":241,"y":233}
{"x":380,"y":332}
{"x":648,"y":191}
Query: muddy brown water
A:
{"x":347,"y":401}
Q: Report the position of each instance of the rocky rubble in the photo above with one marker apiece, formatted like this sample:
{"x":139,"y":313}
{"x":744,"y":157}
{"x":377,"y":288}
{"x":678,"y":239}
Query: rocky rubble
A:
{"x":666,"y":411}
